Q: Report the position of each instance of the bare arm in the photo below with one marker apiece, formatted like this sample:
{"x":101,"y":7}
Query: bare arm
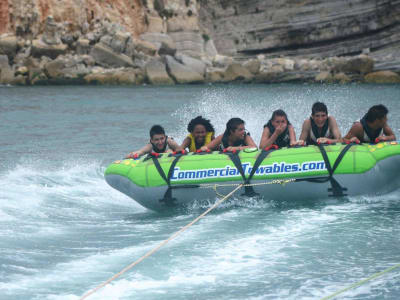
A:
{"x":265,"y":139}
{"x":292,"y":135}
{"x":249,"y":142}
{"x":305,"y":131}
{"x":334,"y":129}
{"x":173,"y":145}
{"x":146,"y":149}
{"x":355,"y":133}
{"x":213,"y":144}
{"x":389,"y":134}
{"x":186,"y":143}
{"x":337,"y":136}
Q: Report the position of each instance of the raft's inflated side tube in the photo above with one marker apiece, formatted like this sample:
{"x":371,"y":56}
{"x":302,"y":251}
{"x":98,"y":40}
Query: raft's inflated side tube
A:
{"x":319,"y":171}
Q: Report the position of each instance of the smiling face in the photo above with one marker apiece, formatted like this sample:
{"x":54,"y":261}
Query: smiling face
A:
{"x":199,"y":134}
{"x":320,"y":118}
{"x":238,"y":133}
{"x":158,"y":140}
{"x":278,"y":121}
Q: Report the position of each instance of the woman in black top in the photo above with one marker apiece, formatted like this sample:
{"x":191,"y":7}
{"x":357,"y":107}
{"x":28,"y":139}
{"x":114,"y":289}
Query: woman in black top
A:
{"x":278,"y":131}
{"x":235,"y":137}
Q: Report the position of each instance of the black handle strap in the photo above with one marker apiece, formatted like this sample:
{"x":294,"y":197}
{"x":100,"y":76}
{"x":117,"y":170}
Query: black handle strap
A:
{"x":167,"y":199}
{"x":248,"y":190}
{"x":263,"y":154}
{"x":336,"y":189}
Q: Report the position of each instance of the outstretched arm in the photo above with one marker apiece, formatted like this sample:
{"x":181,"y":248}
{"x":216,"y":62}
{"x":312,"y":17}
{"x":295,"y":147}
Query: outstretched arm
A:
{"x":173,"y":145}
{"x":213,"y":144}
{"x":265,"y":139}
{"x":146,"y":149}
{"x":249,"y":142}
{"x":186,"y":143}
{"x":292,"y":135}
{"x":389,"y":134}
{"x":355,"y":133}
{"x":305,"y":131}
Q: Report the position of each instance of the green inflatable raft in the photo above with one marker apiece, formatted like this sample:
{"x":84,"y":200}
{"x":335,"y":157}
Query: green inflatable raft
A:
{"x":171,"y":179}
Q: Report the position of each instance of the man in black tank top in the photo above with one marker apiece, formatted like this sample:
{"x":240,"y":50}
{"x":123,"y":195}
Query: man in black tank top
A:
{"x":159,"y":143}
{"x":319,"y":128}
{"x":372,"y":128}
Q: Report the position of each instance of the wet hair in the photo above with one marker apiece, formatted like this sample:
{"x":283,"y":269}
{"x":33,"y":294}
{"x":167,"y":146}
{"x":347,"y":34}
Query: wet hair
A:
{"x":156,"y":129}
{"x":199,"y":120}
{"x":232,"y":125}
{"x":319,"y":107}
{"x":278,"y":113}
{"x":376,"y":112}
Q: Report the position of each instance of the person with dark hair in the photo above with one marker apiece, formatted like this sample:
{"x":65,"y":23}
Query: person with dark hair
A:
{"x":235,"y":137}
{"x":278,"y":131}
{"x":372,"y":128}
{"x":159,"y":143}
{"x":319,"y":128}
{"x":201,"y":133}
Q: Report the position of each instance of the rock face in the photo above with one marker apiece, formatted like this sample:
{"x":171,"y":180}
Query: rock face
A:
{"x":181,"y":73}
{"x":6,"y":74}
{"x":195,"y":41}
{"x":308,"y":28}
{"x":26,"y":17}
{"x":156,"y":73}
{"x":382,"y":77}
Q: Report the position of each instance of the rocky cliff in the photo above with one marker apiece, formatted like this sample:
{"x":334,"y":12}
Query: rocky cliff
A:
{"x":308,"y":28}
{"x":178,"y":41}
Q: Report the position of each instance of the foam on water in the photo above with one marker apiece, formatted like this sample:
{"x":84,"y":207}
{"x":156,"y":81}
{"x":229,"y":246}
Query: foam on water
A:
{"x":64,"y":230}
{"x":78,"y":184}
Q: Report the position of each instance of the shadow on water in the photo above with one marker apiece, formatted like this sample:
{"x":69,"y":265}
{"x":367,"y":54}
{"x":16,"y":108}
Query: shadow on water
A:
{"x":255,"y":203}
{"x":386,"y":202}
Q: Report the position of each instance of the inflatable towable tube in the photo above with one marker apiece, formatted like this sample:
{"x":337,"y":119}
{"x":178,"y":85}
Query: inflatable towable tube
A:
{"x":159,"y":181}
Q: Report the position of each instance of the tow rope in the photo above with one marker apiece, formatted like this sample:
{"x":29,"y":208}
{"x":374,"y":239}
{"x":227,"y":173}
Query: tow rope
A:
{"x":376,"y":275}
{"x":160,"y":245}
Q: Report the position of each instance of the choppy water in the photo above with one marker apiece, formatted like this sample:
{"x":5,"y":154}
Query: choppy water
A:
{"x":63,"y":230}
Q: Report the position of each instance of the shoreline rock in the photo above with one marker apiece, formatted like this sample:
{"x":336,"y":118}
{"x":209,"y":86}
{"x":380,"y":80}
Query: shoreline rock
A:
{"x":174,"y":48}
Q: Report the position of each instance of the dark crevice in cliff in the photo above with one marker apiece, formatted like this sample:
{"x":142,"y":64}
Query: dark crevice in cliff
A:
{"x":324,"y":43}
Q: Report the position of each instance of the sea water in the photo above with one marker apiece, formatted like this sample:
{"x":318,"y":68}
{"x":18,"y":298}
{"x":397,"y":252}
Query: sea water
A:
{"x":64,"y":231}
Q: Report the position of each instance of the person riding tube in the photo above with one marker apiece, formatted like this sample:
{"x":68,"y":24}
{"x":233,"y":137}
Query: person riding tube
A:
{"x":278,"y":131}
{"x":234,"y":138}
{"x":201,"y":133}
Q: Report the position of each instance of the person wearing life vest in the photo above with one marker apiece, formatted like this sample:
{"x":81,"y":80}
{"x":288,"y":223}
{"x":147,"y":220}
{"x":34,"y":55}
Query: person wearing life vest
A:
{"x":372,"y":128}
{"x":159,"y":143}
{"x":234,"y":138}
{"x":319,"y":128}
{"x":278,"y":131}
{"x":201,"y":133}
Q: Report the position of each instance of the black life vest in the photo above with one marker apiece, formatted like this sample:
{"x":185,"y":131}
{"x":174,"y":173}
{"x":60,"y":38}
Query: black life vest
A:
{"x":238,"y":143}
{"x":369,"y":134}
{"x":164,"y":148}
{"x":283,"y":140}
{"x":315,"y":133}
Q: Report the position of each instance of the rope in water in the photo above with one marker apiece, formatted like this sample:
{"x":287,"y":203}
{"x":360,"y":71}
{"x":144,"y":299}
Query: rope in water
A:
{"x":276,"y":181}
{"x":161,"y":244}
{"x":215,"y":186}
{"x":361,"y":282}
